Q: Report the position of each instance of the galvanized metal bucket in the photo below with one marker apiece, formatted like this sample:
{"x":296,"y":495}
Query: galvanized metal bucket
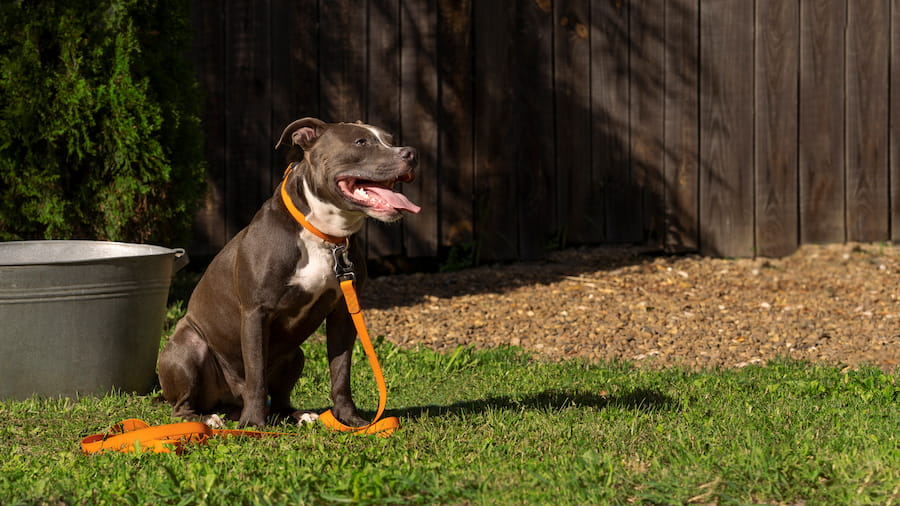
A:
{"x":81,"y":317}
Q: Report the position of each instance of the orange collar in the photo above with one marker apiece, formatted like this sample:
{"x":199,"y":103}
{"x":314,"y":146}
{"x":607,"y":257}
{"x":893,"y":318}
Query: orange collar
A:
{"x":301,"y":219}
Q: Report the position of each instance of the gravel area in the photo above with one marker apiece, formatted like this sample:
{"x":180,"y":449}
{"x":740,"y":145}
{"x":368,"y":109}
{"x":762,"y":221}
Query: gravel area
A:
{"x":838,"y":304}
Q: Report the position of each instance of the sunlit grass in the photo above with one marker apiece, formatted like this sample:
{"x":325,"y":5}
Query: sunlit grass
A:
{"x":499,"y":426}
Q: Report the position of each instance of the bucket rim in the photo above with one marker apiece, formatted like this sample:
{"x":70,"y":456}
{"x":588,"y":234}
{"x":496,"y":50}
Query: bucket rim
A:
{"x":125,"y":250}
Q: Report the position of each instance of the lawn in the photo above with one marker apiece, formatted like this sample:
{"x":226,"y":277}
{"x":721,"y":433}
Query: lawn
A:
{"x":499,"y":426}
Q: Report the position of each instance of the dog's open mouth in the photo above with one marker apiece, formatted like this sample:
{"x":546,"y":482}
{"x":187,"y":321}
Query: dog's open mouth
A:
{"x":378,"y":195}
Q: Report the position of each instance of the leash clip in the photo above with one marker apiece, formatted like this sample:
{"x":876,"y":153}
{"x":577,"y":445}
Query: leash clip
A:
{"x":343,"y":267}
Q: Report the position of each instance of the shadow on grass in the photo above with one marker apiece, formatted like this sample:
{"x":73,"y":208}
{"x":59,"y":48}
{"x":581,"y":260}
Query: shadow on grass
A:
{"x":642,"y":400}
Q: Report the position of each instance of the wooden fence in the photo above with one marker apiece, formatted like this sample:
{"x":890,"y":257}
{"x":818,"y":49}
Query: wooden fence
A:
{"x":732,"y":127}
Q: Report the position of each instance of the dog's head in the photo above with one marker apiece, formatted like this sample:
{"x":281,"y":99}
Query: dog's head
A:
{"x":354,"y":166}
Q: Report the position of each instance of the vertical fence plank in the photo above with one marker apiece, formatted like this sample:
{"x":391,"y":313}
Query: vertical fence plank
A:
{"x":455,"y":133}
{"x":620,"y":217}
{"x":209,"y":55}
{"x":342,"y":65}
{"x":681,"y":134}
{"x":496,"y":217}
{"x":868,"y":36}
{"x":822,"y":120}
{"x":282,"y":80}
{"x":383,"y":106}
{"x":894,"y":127}
{"x":726,"y":127}
{"x":778,"y":53}
{"x":535,"y":163}
{"x":418,"y":116}
{"x":646,"y":113}
{"x":383,"y":63}
{"x":248,"y":111}
{"x":295,"y":66}
{"x":573,"y":118}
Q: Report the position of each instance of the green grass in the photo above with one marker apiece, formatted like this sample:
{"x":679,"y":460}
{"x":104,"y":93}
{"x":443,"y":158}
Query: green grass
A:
{"x":495,"y":427}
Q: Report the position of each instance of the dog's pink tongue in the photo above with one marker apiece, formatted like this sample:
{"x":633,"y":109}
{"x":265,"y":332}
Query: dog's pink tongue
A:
{"x":395,"y":199}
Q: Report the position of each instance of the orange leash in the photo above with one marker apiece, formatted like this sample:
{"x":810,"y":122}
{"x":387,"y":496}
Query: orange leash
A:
{"x":133,"y":435}
{"x":383,"y":427}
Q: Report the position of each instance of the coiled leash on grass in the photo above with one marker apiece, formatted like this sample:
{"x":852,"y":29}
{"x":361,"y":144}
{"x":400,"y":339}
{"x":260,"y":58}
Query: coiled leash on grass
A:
{"x":135,"y":435}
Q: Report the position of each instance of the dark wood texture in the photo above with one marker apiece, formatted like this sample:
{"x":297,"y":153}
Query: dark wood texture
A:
{"x":894,"y":126}
{"x":647,"y":114}
{"x":536,"y":168}
{"x":821,"y":144}
{"x":868,"y":37}
{"x":726,"y":128}
{"x":731,"y":127}
{"x":248,"y":90}
{"x":573,"y":118}
{"x":418,"y":119}
{"x":210,"y":230}
{"x":382,"y":92}
{"x":681,"y":164}
{"x":343,"y":51}
{"x":620,"y":219}
{"x":455,"y":152}
{"x":777,"y":61}
{"x":495,"y":184}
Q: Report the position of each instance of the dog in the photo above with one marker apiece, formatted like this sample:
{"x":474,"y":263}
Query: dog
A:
{"x":237,"y":349}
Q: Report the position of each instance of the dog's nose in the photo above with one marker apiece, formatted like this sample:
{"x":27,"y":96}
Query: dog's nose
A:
{"x":408,"y":154}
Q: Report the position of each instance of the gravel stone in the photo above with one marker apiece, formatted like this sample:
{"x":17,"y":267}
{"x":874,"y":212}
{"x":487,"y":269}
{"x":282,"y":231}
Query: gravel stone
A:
{"x":837,"y":304}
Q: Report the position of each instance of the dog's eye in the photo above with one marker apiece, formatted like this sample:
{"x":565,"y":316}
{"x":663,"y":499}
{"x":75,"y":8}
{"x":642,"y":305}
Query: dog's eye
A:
{"x":361,"y":142}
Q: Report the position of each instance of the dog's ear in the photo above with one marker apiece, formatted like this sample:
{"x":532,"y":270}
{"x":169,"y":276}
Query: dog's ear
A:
{"x":302,"y":132}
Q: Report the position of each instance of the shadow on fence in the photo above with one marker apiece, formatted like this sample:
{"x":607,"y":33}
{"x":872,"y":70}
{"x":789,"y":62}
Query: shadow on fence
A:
{"x":540,"y":124}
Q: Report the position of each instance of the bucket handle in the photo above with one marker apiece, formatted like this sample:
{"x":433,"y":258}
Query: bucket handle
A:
{"x":181,"y":259}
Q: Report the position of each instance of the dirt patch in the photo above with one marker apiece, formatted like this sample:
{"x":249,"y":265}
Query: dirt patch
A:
{"x":838,"y":304}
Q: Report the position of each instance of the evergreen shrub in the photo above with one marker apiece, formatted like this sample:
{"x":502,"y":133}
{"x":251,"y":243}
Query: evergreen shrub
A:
{"x":99,"y":121}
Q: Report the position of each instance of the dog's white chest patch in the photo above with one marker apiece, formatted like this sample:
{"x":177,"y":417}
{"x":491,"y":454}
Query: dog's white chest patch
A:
{"x":315,"y":271}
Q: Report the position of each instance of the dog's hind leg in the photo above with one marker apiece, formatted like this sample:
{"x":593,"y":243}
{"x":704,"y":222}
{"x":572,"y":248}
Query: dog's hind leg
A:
{"x":183,"y":366}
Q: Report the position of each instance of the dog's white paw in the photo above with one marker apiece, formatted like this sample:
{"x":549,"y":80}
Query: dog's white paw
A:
{"x":214,"y":421}
{"x":307,"y":418}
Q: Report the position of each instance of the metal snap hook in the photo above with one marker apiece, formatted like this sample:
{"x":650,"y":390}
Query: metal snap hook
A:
{"x":343,"y":266}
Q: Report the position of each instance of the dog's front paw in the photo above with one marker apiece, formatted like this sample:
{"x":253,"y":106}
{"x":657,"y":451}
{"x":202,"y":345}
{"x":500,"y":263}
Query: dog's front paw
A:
{"x":349,"y":417}
{"x":213,"y":421}
{"x":252,"y":419}
{"x":304,"y":417}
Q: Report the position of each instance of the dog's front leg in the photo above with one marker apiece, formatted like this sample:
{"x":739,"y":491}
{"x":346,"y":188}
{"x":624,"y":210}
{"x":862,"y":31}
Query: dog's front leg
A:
{"x":341,"y":334}
{"x":254,"y":341}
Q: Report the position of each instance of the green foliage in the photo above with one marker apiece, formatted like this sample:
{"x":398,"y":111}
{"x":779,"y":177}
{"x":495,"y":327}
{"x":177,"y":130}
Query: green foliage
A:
{"x":99,"y":128}
{"x":460,"y":256}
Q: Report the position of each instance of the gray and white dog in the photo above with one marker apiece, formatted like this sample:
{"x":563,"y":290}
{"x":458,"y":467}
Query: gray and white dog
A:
{"x":237,"y":349}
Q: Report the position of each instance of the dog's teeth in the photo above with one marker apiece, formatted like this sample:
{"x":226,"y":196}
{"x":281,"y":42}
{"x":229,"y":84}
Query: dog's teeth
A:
{"x":361,"y":192}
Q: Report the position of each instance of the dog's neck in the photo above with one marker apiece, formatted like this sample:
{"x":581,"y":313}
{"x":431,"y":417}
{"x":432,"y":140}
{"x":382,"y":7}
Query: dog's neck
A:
{"x":329,"y":218}
{"x":325,"y":216}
